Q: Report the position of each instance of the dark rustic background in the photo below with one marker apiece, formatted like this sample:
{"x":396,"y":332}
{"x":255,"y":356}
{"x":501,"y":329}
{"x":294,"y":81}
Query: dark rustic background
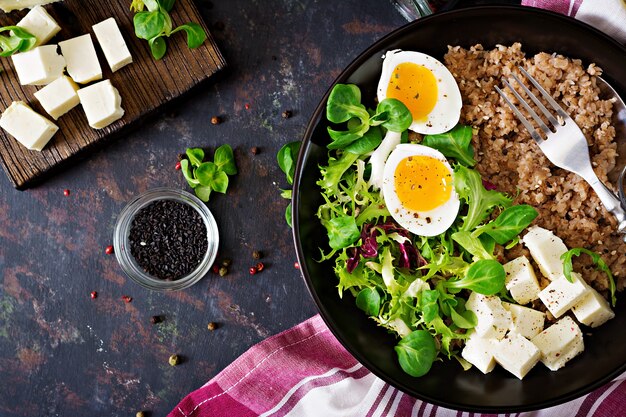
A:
{"x":64,"y":354}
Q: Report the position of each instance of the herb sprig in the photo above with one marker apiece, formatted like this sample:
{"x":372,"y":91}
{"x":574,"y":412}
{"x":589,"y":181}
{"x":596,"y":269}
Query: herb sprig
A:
{"x":155,"y":25}
{"x":206,"y":177}
{"x":19,"y":40}
{"x":568,"y":268}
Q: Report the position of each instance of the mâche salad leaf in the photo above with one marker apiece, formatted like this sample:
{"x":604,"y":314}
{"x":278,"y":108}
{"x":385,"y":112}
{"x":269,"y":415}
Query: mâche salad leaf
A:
{"x":206,"y":177}
{"x":509,"y":224}
{"x":456,"y":144}
{"x":417,"y":352}
{"x":344,"y":105}
{"x":155,"y":25}
{"x":485,"y":276}
{"x":287,"y":156}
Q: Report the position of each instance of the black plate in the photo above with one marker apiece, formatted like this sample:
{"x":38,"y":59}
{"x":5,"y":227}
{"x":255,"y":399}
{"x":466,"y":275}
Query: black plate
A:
{"x":447,"y":384}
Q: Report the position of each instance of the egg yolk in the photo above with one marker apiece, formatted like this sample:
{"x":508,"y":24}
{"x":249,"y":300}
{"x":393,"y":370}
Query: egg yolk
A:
{"x":422,"y":183}
{"x":416,"y":87}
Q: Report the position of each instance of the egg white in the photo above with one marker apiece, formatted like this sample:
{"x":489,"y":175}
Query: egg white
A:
{"x":421,"y":223}
{"x":447,"y":111}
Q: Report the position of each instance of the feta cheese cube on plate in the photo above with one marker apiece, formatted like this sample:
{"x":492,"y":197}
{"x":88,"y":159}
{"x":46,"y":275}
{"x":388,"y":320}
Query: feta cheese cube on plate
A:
{"x":561,"y":295}
{"x":102,"y":104}
{"x":27,"y":126}
{"x":39,"y":66}
{"x":82,"y":61}
{"x":526,"y":321}
{"x":40,"y":24}
{"x":493,"y":319}
{"x":521,"y":280}
{"x":112,"y":43}
{"x":559,"y":343}
{"x":58,"y":97}
{"x":479,"y":352}
{"x":593,"y":309}
{"x":516,"y":354}
{"x":546,"y":249}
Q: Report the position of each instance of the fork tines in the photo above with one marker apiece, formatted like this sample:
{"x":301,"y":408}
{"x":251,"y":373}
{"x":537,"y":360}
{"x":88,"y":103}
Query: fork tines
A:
{"x":560,"y":120}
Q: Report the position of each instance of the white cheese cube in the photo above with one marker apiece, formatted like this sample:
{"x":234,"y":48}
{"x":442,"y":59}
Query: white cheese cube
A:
{"x":58,"y":97}
{"x":516,"y":354}
{"x":493,"y":319}
{"x":27,"y":126}
{"x":102,"y":104}
{"x":479,"y":352}
{"x":82,"y":61}
{"x":39,"y":23}
{"x":593,"y":309}
{"x":521,"y":280}
{"x":546,"y":249}
{"x":39,"y":66}
{"x":561,"y":295}
{"x":559,"y":343}
{"x":112,"y":43}
{"x":8,"y":5}
{"x":526,"y":321}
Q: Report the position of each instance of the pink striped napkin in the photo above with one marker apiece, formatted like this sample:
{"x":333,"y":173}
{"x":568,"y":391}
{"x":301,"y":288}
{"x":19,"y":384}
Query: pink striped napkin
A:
{"x":607,"y":15}
{"x":305,"y":371}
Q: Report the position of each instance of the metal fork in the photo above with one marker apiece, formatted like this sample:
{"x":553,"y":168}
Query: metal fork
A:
{"x":565,"y":144}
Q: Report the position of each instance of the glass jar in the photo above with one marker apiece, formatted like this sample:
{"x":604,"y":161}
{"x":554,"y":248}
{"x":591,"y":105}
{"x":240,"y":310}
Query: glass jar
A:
{"x":121,"y":243}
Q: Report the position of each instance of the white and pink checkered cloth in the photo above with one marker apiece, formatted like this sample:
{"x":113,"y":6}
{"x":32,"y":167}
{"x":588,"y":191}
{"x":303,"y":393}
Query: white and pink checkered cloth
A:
{"x":305,"y":371}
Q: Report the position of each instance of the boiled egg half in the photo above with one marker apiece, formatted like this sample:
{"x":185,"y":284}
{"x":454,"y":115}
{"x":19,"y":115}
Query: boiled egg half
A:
{"x":425,"y":86}
{"x":418,"y":189}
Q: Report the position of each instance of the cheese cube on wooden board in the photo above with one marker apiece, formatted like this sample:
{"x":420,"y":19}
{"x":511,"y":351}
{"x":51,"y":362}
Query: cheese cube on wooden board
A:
{"x":27,"y":126}
{"x":516,"y":354}
{"x":479,"y":352}
{"x":521,"y":280}
{"x":526,"y":321}
{"x":559,"y":343}
{"x":39,"y":66}
{"x":58,"y":97}
{"x":102,"y":104}
{"x":112,"y":43}
{"x":561,"y":295}
{"x":82,"y":61}
{"x":8,"y":5}
{"x":546,"y":249}
{"x":39,"y":23}
{"x":593,"y":309}
{"x":493,"y":321}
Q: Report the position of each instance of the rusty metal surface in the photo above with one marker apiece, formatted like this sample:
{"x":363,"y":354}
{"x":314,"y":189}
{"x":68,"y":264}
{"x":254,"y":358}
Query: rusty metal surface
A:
{"x":64,"y":354}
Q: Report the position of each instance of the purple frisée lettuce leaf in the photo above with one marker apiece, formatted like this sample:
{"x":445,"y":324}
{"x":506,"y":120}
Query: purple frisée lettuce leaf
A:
{"x":369,"y":245}
{"x":353,"y":261}
{"x":489,"y":186}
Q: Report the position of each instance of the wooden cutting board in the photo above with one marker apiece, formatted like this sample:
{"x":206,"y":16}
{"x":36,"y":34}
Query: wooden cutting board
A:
{"x":144,"y":85}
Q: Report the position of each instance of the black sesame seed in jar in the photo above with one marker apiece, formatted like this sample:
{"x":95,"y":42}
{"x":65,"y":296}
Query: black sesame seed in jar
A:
{"x":168,"y":239}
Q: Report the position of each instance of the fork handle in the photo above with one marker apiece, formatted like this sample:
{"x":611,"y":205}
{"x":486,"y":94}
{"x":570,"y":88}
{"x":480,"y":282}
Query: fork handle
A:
{"x":610,"y":202}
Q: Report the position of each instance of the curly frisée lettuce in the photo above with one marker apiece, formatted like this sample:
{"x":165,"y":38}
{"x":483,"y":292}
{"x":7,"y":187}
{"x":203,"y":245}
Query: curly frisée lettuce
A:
{"x":414,"y":286}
